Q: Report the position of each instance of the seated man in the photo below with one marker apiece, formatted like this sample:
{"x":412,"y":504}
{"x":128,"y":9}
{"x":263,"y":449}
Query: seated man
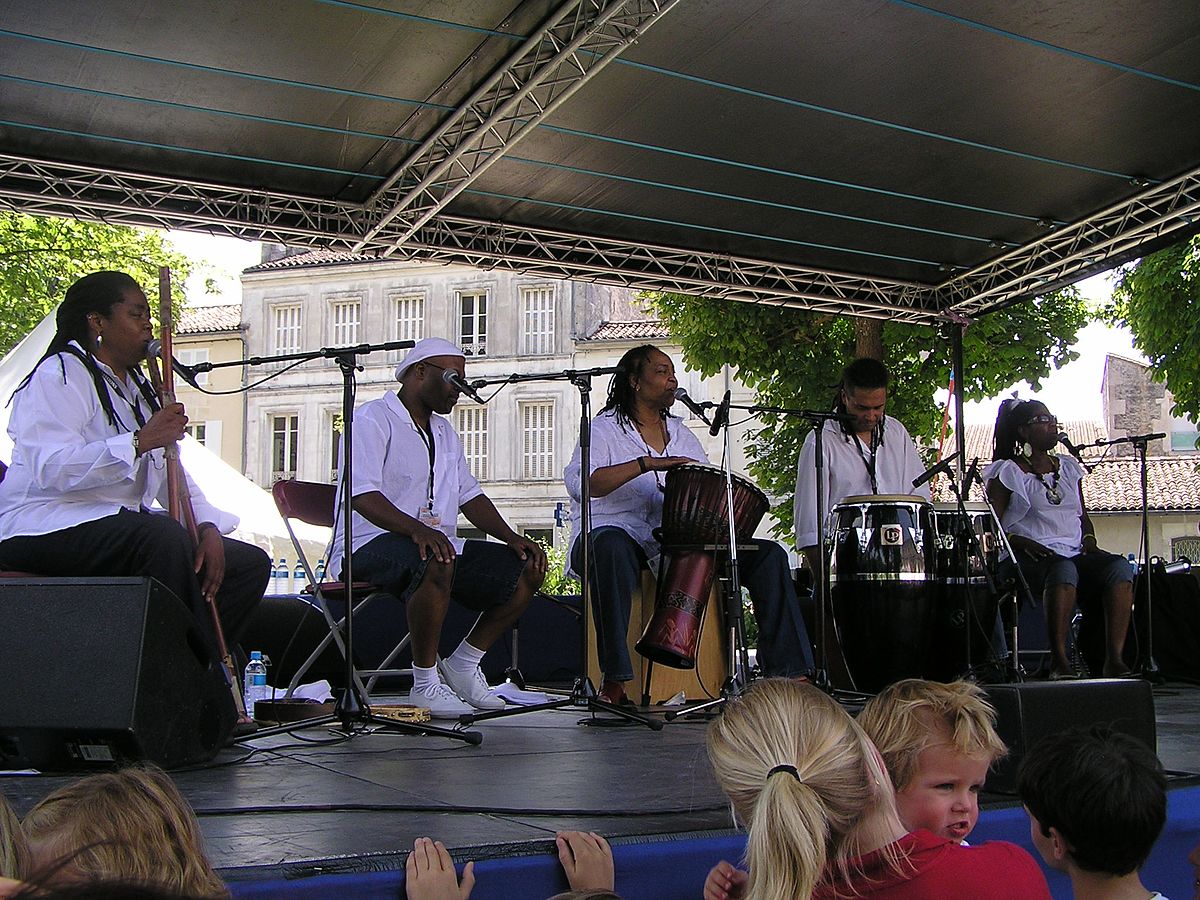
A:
{"x":1097,"y":802}
{"x":634,"y":442}
{"x":410,"y":482}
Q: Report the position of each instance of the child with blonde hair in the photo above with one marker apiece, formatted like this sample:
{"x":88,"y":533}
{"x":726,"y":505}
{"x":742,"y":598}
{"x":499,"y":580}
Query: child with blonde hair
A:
{"x":14,"y":850}
{"x":938,"y":742}
{"x":132,"y":825}
{"x":805,"y":781}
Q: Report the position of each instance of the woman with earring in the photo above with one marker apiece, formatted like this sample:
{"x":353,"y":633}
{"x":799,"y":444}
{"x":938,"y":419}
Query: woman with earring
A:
{"x":1039,"y":499}
{"x":634,"y":442}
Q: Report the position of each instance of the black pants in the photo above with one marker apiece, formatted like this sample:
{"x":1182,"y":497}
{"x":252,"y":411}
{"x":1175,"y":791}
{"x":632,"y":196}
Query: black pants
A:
{"x":143,"y":544}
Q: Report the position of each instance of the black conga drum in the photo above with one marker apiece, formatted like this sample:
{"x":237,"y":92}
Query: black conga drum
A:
{"x":880,"y":580}
{"x":965,"y":612}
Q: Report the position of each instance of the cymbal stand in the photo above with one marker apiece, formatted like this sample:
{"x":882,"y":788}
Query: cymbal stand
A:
{"x":583,"y":693}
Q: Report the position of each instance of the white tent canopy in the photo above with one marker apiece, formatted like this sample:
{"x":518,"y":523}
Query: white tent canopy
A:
{"x":223,"y":485}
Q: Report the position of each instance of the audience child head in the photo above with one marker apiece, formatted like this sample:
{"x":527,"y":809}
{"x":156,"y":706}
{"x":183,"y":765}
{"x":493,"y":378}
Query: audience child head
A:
{"x":806,"y":783}
{"x":938,"y":742}
{"x":14,"y":850}
{"x":131,"y":825}
{"x":1097,"y":802}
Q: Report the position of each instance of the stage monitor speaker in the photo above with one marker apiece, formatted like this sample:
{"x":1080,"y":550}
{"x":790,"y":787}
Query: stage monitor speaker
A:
{"x":102,"y":671}
{"x":1027,"y":712}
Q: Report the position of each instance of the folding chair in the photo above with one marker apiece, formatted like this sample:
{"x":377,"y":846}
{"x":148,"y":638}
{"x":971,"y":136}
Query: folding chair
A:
{"x":313,"y":502}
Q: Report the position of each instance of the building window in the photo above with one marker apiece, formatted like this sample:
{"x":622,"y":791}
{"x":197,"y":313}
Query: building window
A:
{"x":472,"y":332}
{"x":471,"y":424}
{"x":537,"y":316}
{"x":285,"y":325}
{"x":285,"y":446}
{"x":537,"y":439}
{"x":333,"y":424}
{"x":410,"y":317}
{"x":198,"y":431}
{"x":189,"y":356}
{"x":344,"y":316}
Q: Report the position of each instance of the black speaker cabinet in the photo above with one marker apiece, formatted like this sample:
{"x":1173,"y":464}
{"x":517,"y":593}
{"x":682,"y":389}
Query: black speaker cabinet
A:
{"x":101,"y":671}
{"x":1027,"y":712}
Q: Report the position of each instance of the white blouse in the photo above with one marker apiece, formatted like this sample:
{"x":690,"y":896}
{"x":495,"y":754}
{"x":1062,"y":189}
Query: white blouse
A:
{"x":1031,"y":514}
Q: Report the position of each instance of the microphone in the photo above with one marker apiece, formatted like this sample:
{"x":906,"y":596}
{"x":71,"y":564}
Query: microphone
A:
{"x":451,"y":377}
{"x":971,"y":477}
{"x":721,"y":417}
{"x":696,"y":408}
{"x":186,"y":372}
{"x":1065,"y":440}
{"x":943,"y":466}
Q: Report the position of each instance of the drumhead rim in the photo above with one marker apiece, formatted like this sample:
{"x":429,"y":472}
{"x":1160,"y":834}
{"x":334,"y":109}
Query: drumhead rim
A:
{"x":861,"y":499}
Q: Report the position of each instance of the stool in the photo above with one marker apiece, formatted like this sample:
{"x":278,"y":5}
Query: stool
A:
{"x":699,"y":683}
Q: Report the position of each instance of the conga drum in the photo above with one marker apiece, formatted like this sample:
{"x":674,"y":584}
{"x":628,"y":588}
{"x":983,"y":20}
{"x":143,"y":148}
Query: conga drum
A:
{"x":965,"y":613}
{"x":880,"y":578}
{"x":694,"y":517}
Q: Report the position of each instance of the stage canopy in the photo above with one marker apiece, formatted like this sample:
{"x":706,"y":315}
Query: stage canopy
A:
{"x":916,"y":161}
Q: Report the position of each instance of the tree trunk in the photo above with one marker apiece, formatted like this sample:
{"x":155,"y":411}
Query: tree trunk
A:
{"x":868,"y":338}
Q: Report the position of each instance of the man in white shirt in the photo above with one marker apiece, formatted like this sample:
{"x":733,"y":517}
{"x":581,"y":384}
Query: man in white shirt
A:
{"x":411,"y":480}
{"x":865,"y":450}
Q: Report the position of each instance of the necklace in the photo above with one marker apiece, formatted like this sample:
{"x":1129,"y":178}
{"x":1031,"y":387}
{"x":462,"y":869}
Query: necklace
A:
{"x":1053,"y":495}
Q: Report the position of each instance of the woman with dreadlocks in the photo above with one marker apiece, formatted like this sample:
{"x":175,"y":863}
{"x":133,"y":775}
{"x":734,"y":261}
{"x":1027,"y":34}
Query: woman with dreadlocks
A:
{"x":1039,"y":499}
{"x":88,"y":463}
{"x":634,"y":441}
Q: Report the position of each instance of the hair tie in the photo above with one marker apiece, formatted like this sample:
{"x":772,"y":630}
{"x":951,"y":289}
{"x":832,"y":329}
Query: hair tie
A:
{"x":791,"y":770}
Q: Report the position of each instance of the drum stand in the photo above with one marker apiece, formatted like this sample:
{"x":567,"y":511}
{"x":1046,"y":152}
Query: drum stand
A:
{"x":738,"y":660}
{"x":970,"y":546}
{"x":583,"y":693}
{"x":1013,"y":671}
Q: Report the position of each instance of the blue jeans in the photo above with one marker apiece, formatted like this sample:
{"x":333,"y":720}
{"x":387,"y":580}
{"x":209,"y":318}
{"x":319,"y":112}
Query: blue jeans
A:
{"x":617,"y":560}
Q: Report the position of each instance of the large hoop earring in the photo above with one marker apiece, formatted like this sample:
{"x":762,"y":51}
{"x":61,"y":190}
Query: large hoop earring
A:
{"x":1027,"y":449}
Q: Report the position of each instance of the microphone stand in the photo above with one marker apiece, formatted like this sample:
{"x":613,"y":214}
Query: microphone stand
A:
{"x":1147,"y":665}
{"x":583,"y":693}
{"x":352,"y":707}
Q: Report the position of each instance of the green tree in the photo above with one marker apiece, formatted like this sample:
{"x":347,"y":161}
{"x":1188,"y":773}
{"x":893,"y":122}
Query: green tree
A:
{"x":40,"y":257}
{"x":1158,"y":299}
{"x":793,"y":359}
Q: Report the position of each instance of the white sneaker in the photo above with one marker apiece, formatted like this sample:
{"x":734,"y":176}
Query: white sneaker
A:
{"x":471,"y":687}
{"x":440,"y":700}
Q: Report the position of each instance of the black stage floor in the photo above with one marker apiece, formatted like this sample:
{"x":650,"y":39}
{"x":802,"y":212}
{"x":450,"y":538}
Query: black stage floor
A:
{"x":309,"y":803}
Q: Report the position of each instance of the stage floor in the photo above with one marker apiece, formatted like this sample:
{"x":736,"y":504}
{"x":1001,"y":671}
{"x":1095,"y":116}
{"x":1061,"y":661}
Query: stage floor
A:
{"x":315,"y":803}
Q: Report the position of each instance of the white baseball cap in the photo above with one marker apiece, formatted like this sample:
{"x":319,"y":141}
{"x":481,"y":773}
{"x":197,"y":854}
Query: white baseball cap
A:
{"x":424,"y":349}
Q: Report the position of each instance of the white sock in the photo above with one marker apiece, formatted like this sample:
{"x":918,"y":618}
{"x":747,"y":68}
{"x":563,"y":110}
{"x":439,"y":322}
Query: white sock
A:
{"x":465,"y":658}
{"x":425,"y":678}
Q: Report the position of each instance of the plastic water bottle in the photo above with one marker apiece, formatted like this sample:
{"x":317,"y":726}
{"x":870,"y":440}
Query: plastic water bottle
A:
{"x":255,"y":681}
{"x":299,"y":579}
{"x":320,"y":573}
{"x":279,"y":578}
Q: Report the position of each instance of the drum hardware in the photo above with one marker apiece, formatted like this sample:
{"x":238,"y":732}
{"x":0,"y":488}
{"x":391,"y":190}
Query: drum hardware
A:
{"x":735,"y":514}
{"x":583,"y":693}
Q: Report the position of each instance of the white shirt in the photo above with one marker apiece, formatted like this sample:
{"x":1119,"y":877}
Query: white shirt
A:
{"x":1030,"y":512}
{"x":845,"y":474}
{"x":636,"y":506}
{"x":391,"y":456}
{"x":71,"y":465}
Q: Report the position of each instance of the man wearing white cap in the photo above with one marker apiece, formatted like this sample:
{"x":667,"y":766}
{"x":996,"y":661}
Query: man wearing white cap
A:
{"x":411,"y":480}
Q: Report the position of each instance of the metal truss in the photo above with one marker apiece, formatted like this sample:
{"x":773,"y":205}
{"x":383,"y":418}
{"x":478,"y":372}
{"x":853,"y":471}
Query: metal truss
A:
{"x":571,"y":46}
{"x":1170,"y":206}
{"x":125,"y":198}
{"x":559,"y":254}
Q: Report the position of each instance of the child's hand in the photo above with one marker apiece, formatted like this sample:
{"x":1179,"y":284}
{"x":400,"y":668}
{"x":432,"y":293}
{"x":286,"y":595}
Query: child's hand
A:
{"x":429,"y":873}
{"x":587,"y":860}
{"x":725,"y":882}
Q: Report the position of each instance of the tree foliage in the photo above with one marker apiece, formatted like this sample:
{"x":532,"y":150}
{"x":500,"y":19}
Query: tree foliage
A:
{"x":1159,"y":301}
{"x":41,"y":257}
{"x":793,"y":359}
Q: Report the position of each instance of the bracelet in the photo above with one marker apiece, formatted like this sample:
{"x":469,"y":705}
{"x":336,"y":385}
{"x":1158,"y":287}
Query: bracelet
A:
{"x":642,"y":464}
{"x":136,"y":451}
